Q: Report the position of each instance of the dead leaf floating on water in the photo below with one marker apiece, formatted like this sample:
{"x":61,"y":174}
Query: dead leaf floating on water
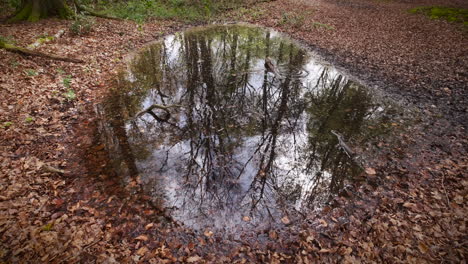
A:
{"x":272,"y":234}
{"x":285,"y":220}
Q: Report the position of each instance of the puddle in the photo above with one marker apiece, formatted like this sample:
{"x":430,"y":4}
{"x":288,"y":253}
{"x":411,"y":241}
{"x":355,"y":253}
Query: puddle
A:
{"x":237,"y":146}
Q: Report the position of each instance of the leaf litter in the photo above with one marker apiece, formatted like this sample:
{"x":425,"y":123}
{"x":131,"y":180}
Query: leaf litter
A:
{"x":413,"y":210}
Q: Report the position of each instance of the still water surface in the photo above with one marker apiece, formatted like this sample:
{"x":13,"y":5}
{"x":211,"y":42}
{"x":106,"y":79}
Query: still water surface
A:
{"x":241,"y":143}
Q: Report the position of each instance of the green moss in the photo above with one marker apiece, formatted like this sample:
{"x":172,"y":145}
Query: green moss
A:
{"x":6,"y":124}
{"x":47,"y":227}
{"x":31,"y":72}
{"x":292,"y":19}
{"x":450,"y":14}
{"x":70,"y":95}
{"x":23,"y":14}
{"x":321,"y":25}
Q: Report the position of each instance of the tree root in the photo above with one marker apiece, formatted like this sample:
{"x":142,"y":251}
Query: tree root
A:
{"x":29,"y":52}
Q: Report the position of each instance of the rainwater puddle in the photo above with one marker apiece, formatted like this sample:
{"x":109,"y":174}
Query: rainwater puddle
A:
{"x":231,"y":142}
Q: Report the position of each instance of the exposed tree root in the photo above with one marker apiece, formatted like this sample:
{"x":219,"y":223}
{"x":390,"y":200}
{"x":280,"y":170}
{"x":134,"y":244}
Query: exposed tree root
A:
{"x":27,"y":52}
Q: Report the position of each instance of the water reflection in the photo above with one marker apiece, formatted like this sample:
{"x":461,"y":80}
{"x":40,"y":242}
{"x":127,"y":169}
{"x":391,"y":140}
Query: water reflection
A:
{"x":236,"y":140}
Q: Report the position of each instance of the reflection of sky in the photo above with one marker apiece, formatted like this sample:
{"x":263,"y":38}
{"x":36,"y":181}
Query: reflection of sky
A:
{"x":291,"y":151}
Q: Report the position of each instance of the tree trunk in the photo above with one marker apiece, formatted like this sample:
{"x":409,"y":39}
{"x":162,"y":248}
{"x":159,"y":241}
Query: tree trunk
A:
{"x":33,"y":10}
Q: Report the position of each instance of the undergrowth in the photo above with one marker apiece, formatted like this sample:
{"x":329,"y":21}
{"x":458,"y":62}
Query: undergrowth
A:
{"x":186,"y":10}
{"x":450,"y":14}
{"x":82,"y":25}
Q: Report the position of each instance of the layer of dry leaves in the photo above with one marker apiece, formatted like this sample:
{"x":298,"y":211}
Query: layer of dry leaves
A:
{"x":412,"y":207}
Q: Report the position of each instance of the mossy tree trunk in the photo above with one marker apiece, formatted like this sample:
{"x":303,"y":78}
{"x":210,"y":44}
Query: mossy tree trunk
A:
{"x":33,"y":10}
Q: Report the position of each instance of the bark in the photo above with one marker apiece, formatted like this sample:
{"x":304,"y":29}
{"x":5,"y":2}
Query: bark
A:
{"x":33,"y":10}
{"x":28,"y":52}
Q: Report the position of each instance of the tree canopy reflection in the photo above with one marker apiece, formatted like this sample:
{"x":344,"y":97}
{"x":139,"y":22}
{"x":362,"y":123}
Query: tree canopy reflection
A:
{"x":239,"y":140}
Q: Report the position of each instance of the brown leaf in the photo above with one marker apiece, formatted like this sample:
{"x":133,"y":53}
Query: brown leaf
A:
{"x":246,"y":218}
{"x":142,"y":251}
{"x":272,"y":234}
{"x":409,"y":205}
{"x":370,"y":171}
{"x":142,"y":238}
{"x":285,"y":220}
{"x":193,"y":259}
{"x":208,"y":233}
{"x":423,"y":248}
{"x":323,"y":222}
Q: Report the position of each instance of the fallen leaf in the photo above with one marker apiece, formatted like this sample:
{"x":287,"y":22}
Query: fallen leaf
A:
{"x":142,"y":238}
{"x":272,"y":234}
{"x":208,"y":233}
{"x":193,"y":259}
{"x":285,"y":220}
{"x":246,"y":218}
{"x":423,"y":248}
{"x":323,"y":222}
{"x":142,"y":251}
{"x":370,"y":171}
{"x":409,"y":205}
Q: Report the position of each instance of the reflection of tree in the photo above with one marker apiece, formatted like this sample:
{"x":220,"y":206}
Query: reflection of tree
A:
{"x":334,"y":104}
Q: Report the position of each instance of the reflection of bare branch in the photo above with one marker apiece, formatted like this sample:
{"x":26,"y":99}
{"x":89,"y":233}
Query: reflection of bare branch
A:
{"x":156,"y":106}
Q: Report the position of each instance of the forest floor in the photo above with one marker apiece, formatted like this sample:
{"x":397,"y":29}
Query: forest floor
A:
{"x":412,"y":210}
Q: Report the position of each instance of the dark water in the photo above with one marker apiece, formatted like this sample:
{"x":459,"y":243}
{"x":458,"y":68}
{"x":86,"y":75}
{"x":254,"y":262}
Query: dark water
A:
{"x":237,"y":140}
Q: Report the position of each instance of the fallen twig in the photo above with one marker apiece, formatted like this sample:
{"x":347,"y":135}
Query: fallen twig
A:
{"x":84,"y":248}
{"x":28,"y":52}
{"x":40,"y":41}
{"x":52,"y":169}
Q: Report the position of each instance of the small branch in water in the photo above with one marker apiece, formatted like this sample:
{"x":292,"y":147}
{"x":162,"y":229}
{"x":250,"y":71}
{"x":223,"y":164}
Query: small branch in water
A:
{"x":351,"y":154}
{"x":343,"y":144}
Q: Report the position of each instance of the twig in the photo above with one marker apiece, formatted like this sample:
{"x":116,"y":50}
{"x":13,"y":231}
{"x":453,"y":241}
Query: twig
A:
{"x":445,"y":190}
{"x":343,"y":144}
{"x":86,"y":247}
{"x":40,"y":41}
{"x":51,"y":169}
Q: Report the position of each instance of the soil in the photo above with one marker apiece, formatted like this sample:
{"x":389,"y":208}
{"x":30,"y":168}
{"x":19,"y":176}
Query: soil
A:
{"x":410,"y":207}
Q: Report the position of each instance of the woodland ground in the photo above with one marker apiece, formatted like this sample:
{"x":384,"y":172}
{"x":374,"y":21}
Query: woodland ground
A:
{"x":413,"y":210}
